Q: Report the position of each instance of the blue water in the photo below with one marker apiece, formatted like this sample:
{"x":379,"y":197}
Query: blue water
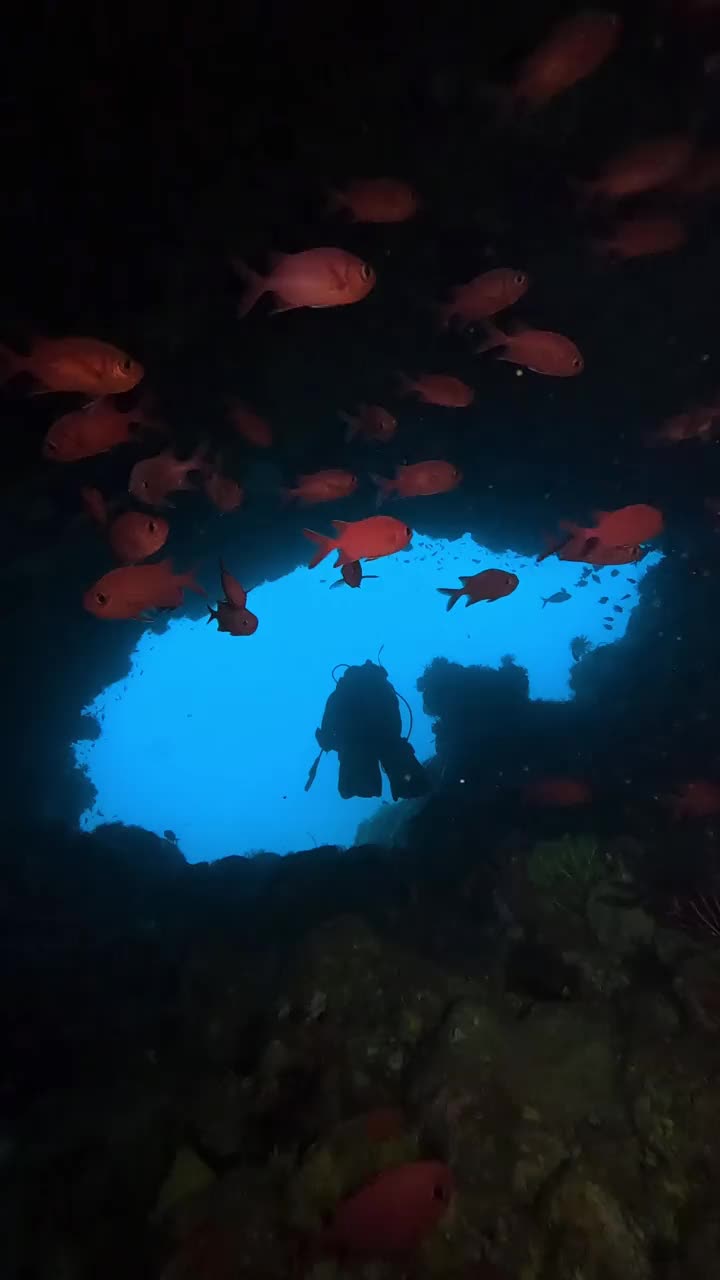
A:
{"x":212,"y":735}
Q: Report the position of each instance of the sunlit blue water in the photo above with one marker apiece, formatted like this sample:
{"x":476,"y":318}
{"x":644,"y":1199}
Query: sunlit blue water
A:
{"x":212,"y":735}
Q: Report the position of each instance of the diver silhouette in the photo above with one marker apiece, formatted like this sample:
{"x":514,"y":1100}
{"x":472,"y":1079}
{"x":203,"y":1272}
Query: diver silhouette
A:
{"x":362,"y":723}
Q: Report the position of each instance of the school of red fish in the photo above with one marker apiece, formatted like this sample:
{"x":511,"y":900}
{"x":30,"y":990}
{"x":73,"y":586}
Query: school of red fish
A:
{"x":329,"y":276}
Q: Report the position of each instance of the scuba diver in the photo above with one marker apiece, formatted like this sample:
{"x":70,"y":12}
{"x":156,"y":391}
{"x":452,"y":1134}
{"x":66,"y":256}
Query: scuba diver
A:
{"x":362,"y":723}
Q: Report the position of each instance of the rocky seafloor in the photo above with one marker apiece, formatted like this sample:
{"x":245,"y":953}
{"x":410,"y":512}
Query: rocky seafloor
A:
{"x":200,"y":1063}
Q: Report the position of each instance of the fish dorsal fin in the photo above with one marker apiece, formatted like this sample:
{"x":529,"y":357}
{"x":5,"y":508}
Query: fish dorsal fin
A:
{"x":466,"y":578}
{"x":599,"y":515}
{"x":340,"y":525}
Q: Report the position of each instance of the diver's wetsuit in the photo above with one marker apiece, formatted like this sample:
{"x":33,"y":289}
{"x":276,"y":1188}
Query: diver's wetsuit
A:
{"x":362,"y":723}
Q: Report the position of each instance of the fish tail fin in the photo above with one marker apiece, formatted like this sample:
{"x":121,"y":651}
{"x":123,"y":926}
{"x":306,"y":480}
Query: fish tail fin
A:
{"x":10,"y":363}
{"x":495,"y":338}
{"x":384,"y":488}
{"x":324,"y":546}
{"x":212,"y":614}
{"x":454,"y":594}
{"x":256,"y":286}
{"x":545,"y":600}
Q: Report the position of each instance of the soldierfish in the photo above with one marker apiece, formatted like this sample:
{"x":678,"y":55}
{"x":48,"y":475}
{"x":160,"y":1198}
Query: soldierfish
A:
{"x":322,"y":486}
{"x":640,"y":237}
{"x":129,"y":592}
{"x":559,"y":792}
{"x":491,"y":584}
{"x":367,"y":539}
{"x":372,"y":422}
{"x":575,"y":48}
{"x":697,"y":799}
{"x":224,"y":492}
{"x":231,"y":614}
{"x":74,"y":364}
{"x":539,"y":350}
{"x":352,"y":575}
{"x":643,"y":166}
{"x":485,"y":296}
{"x":134,"y":535}
{"x":325,"y":277}
{"x":438,"y":388}
{"x":419,"y":479}
{"x":622,"y":528}
{"x":376,"y":200}
{"x":85,"y":433}
{"x":154,"y":478}
{"x":248,"y":424}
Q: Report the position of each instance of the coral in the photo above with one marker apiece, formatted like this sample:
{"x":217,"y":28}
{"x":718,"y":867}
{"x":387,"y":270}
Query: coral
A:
{"x":567,"y":870}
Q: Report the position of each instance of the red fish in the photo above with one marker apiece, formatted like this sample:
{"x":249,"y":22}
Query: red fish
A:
{"x":372,"y":422}
{"x":484,"y":296}
{"x":323,"y":486}
{"x":557,"y":793}
{"x":642,"y":167}
{"x":74,"y":364}
{"x":352,"y":575}
{"x":393,"y":1214}
{"x":693,"y":424}
{"x":419,"y":479}
{"x":248,"y":424}
{"x":578,"y":550}
{"x":573,"y":50}
{"x":233,"y":620}
{"x":438,"y":388}
{"x":376,"y":200}
{"x":697,"y":799}
{"x":224,"y":492}
{"x":491,"y":584}
{"x":640,"y":237}
{"x":313,"y":278}
{"x":96,"y":429}
{"x":537,"y":349}
{"x":129,"y":592}
{"x":134,"y":535}
{"x":622,"y":528}
{"x":367,"y":539}
{"x":154,"y":478}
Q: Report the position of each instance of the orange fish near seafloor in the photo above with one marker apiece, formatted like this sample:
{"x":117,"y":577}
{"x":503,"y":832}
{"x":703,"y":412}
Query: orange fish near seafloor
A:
{"x":641,"y":237}
{"x":575,"y":48}
{"x":393,"y":1214}
{"x":224,"y":492}
{"x":313,"y":278}
{"x":74,"y":364}
{"x":130,"y":592}
{"x":557,"y":793}
{"x":372,"y":422}
{"x":645,"y":166}
{"x":154,"y":478}
{"x":367,"y":539}
{"x":485,"y":296}
{"x":419,"y":479}
{"x":539,"y":350}
{"x":352,"y":575}
{"x":438,"y":388}
{"x":491,"y":584}
{"x":96,"y":429}
{"x":248,"y":424}
{"x":376,"y":200}
{"x":322,"y":486}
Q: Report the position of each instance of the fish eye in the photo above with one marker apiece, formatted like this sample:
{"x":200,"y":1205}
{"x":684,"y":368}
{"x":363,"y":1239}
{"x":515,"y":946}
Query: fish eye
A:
{"x":152,"y":526}
{"x":51,"y":446}
{"x":127,"y":364}
{"x":366,"y":271}
{"x":520,"y":278}
{"x":408,"y":532}
{"x":577,"y":362}
{"x":100,"y":597}
{"x":144,"y":484}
